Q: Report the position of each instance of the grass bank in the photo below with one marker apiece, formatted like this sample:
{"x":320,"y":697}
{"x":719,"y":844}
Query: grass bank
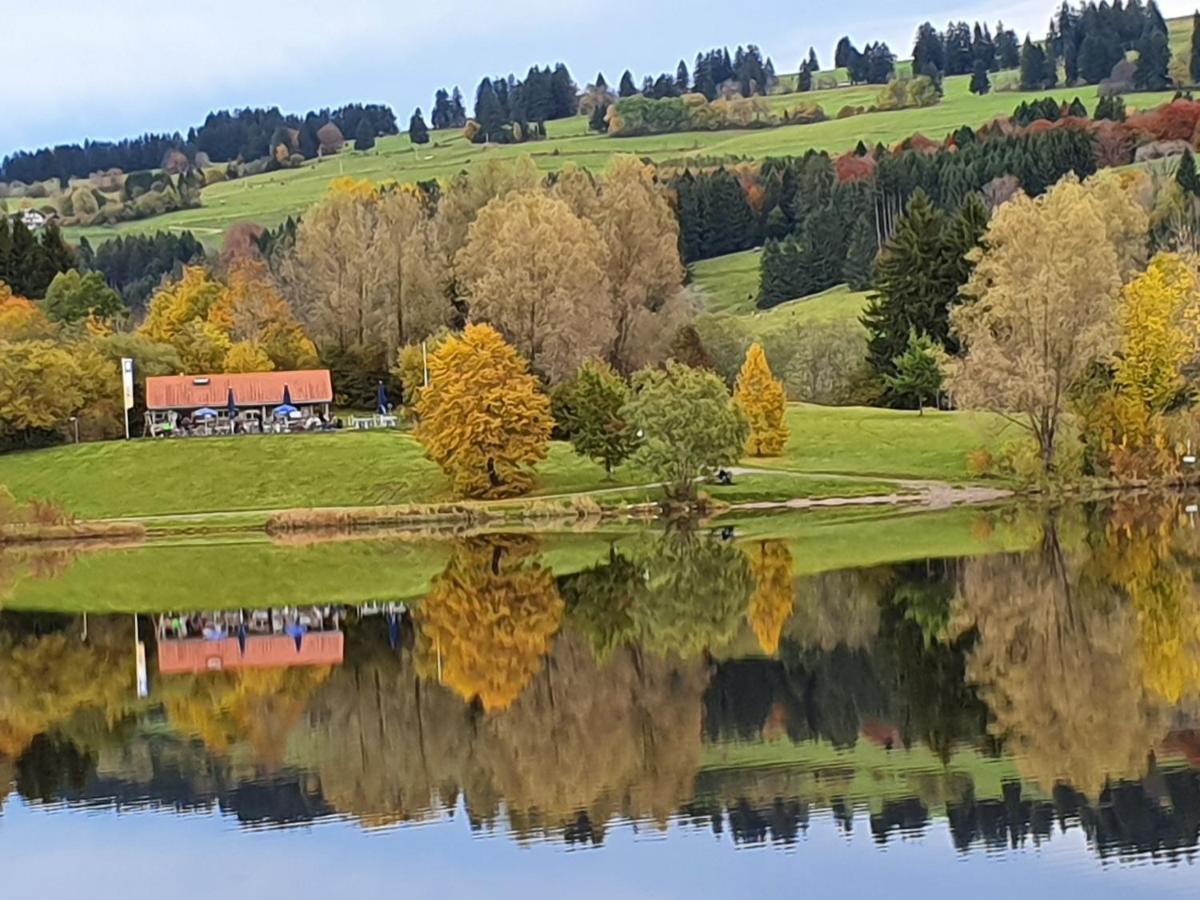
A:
{"x":832,"y":452}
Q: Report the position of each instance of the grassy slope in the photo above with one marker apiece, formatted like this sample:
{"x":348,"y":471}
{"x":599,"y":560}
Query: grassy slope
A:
{"x":730,"y":284}
{"x":271,"y":197}
{"x":148,"y":478}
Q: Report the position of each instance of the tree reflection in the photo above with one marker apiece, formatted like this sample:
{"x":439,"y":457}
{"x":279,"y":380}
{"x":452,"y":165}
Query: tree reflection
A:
{"x":771,"y":603}
{"x":487,"y":622}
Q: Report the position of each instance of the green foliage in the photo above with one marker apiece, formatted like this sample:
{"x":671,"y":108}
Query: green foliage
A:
{"x":28,"y":263}
{"x":364,"y":138}
{"x":1153,"y":62}
{"x":686,"y":426}
{"x":1194,"y":58}
{"x":418,"y":132}
{"x":1111,"y":107}
{"x":980,"y":82}
{"x":587,"y":410}
{"x":72,"y":297}
{"x":918,"y":377}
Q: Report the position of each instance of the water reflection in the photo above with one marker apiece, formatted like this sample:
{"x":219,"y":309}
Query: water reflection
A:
{"x":676,"y":678}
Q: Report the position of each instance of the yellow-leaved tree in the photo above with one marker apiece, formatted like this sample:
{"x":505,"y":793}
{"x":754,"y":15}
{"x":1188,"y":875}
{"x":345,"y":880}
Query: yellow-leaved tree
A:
{"x":488,"y":620}
{"x":772,"y":600}
{"x":761,"y":397}
{"x":483,"y":418}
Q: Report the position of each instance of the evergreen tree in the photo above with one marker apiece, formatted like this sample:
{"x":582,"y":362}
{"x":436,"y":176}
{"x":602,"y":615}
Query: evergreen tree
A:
{"x":417,"y":132}
{"x":1033,"y":66}
{"x":860,"y":255}
{"x":1194,"y":59}
{"x":929,"y":54}
{"x":983,"y":48}
{"x":980,"y":83}
{"x":1050,"y":67}
{"x":1077,"y":110}
{"x":490,"y":110}
{"x":364,"y":137}
{"x":683,"y":80}
{"x":1153,"y":62}
{"x":563,"y":95}
{"x":917,"y":377}
{"x":458,"y":109}
{"x":442,"y":115}
{"x":1186,"y":175}
{"x":804,"y":82}
{"x":844,"y":52}
{"x":1008,"y":48}
{"x":598,"y":121}
{"x":916,"y":280}
{"x":813,"y":65}
{"x":1111,"y":107}
{"x":627,"y":88}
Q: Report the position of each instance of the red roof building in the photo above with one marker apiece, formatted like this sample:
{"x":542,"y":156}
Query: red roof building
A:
{"x":250,"y":390}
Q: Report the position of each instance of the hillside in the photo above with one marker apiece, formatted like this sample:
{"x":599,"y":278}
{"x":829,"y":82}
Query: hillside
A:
{"x":271,"y":197}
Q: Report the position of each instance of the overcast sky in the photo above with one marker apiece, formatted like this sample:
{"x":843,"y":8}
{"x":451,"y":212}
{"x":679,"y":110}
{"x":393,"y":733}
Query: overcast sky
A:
{"x":134,"y":66}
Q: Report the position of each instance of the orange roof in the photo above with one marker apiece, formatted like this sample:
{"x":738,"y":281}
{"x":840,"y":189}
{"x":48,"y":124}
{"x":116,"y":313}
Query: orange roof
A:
{"x":250,"y":389}
{"x":263,"y":651}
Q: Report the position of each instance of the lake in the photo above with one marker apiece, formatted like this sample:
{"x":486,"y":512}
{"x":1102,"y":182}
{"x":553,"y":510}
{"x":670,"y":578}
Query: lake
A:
{"x":983,"y":702}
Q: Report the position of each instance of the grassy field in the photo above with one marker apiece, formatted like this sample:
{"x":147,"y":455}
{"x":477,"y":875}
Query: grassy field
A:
{"x":729,"y":285}
{"x":157,"y":478}
{"x":271,"y":197}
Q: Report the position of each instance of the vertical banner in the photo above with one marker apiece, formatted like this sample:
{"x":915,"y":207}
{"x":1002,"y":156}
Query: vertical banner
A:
{"x":143,"y":679}
{"x":127,"y":383}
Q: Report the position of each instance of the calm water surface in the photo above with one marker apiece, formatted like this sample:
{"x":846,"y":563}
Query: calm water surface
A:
{"x":984,"y":703}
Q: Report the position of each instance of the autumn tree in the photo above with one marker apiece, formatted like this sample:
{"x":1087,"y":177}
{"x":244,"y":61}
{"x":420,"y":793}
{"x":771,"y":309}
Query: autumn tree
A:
{"x":251,"y":311}
{"x":763,"y":402}
{"x":918,"y":375}
{"x":1156,"y":335}
{"x":487,"y":621}
{"x":467,"y":193}
{"x":535,"y":271}
{"x":23,"y":320}
{"x":588,"y":408}
{"x":686,"y":424}
{"x":41,"y":387}
{"x":180,"y":302}
{"x":483,"y":418}
{"x":72,"y":297}
{"x":772,"y":600}
{"x":1043,"y":303}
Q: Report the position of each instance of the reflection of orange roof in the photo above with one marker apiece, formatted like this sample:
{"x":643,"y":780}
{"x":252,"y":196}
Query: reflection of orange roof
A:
{"x":249,"y":389}
{"x":270,"y":651}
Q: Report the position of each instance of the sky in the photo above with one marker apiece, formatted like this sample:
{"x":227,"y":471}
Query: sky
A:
{"x":144,"y":65}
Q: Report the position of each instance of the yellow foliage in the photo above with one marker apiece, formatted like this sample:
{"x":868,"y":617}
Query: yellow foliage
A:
{"x":1154,"y":342}
{"x":22,"y":320}
{"x":771,"y":602}
{"x":248,"y":356}
{"x":357,"y":188}
{"x":487,"y":622}
{"x":176,"y":305}
{"x":483,"y":418}
{"x":762,"y":399}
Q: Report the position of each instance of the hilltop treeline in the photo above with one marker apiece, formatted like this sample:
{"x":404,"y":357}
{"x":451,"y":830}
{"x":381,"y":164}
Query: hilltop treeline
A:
{"x":225,"y":135}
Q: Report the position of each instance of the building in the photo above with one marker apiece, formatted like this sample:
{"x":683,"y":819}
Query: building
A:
{"x":256,"y":395}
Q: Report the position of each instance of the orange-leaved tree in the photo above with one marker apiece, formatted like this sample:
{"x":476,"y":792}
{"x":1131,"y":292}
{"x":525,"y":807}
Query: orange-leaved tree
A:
{"x":484,"y":419}
{"x":761,"y":397}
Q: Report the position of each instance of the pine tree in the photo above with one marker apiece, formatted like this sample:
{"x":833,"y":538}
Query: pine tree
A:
{"x":860,"y":256}
{"x":804,"y":79}
{"x":763,"y":402}
{"x":598,"y":121}
{"x":442,"y":115}
{"x":1111,"y":107}
{"x":458,"y":109}
{"x":417,"y":132}
{"x":1153,"y":62}
{"x":682,"y":79}
{"x":1186,"y":175}
{"x":813,"y":64}
{"x":489,"y":111}
{"x":1033,"y":66}
{"x":980,"y":82}
{"x":627,"y":88}
{"x":364,"y":136}
{"x":600,"y":82}
{"x":918,"y":377}
{"x":1008,"y":48}
{"x":913,"y":288}
{"x":1077,"y":110}
{"x":1194,"y":60}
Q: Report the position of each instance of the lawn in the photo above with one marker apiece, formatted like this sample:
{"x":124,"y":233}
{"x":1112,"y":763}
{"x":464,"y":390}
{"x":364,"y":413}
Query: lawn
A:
{"x":271,"y":197}
{"x":265,"y":472}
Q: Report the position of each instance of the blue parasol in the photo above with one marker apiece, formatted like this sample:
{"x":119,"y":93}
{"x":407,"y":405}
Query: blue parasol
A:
{"x":381,"y":400}
{"x":287,"y":396}
{"x":205,"y":412}
{"x":286,"y":410}
{"x":230,"y":406}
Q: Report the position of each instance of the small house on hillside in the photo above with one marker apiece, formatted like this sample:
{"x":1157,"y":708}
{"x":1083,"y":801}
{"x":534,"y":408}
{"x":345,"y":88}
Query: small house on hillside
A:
{"x":255,"y":399}
{"x":33,"y":219}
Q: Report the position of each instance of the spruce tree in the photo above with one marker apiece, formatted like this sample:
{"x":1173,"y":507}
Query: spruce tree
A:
{"x":457,"y":109}
{"x":598,"y":121}
{"x":600,"y":82}
{"x":1154,"y":60}
{"x":364,"y":136}
{"x":417,"y":132}
{"x":1186,"y":175}
{"x":627,"y":88}
{"x":860,"y":256}
{"x":813,"y":64}
{"x":917,"y":376}
{"x":913,"y":286}
{"x":1077,"y":110}
{"x":804,"y":79}
{"x":1194,"y":60}
{"x":683,"y":80}
{"x":1033,"y":66}
{"x":980,"y":83}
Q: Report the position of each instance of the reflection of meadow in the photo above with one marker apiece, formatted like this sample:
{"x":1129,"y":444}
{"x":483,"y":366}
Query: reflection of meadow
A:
{"x":553,"y":691}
